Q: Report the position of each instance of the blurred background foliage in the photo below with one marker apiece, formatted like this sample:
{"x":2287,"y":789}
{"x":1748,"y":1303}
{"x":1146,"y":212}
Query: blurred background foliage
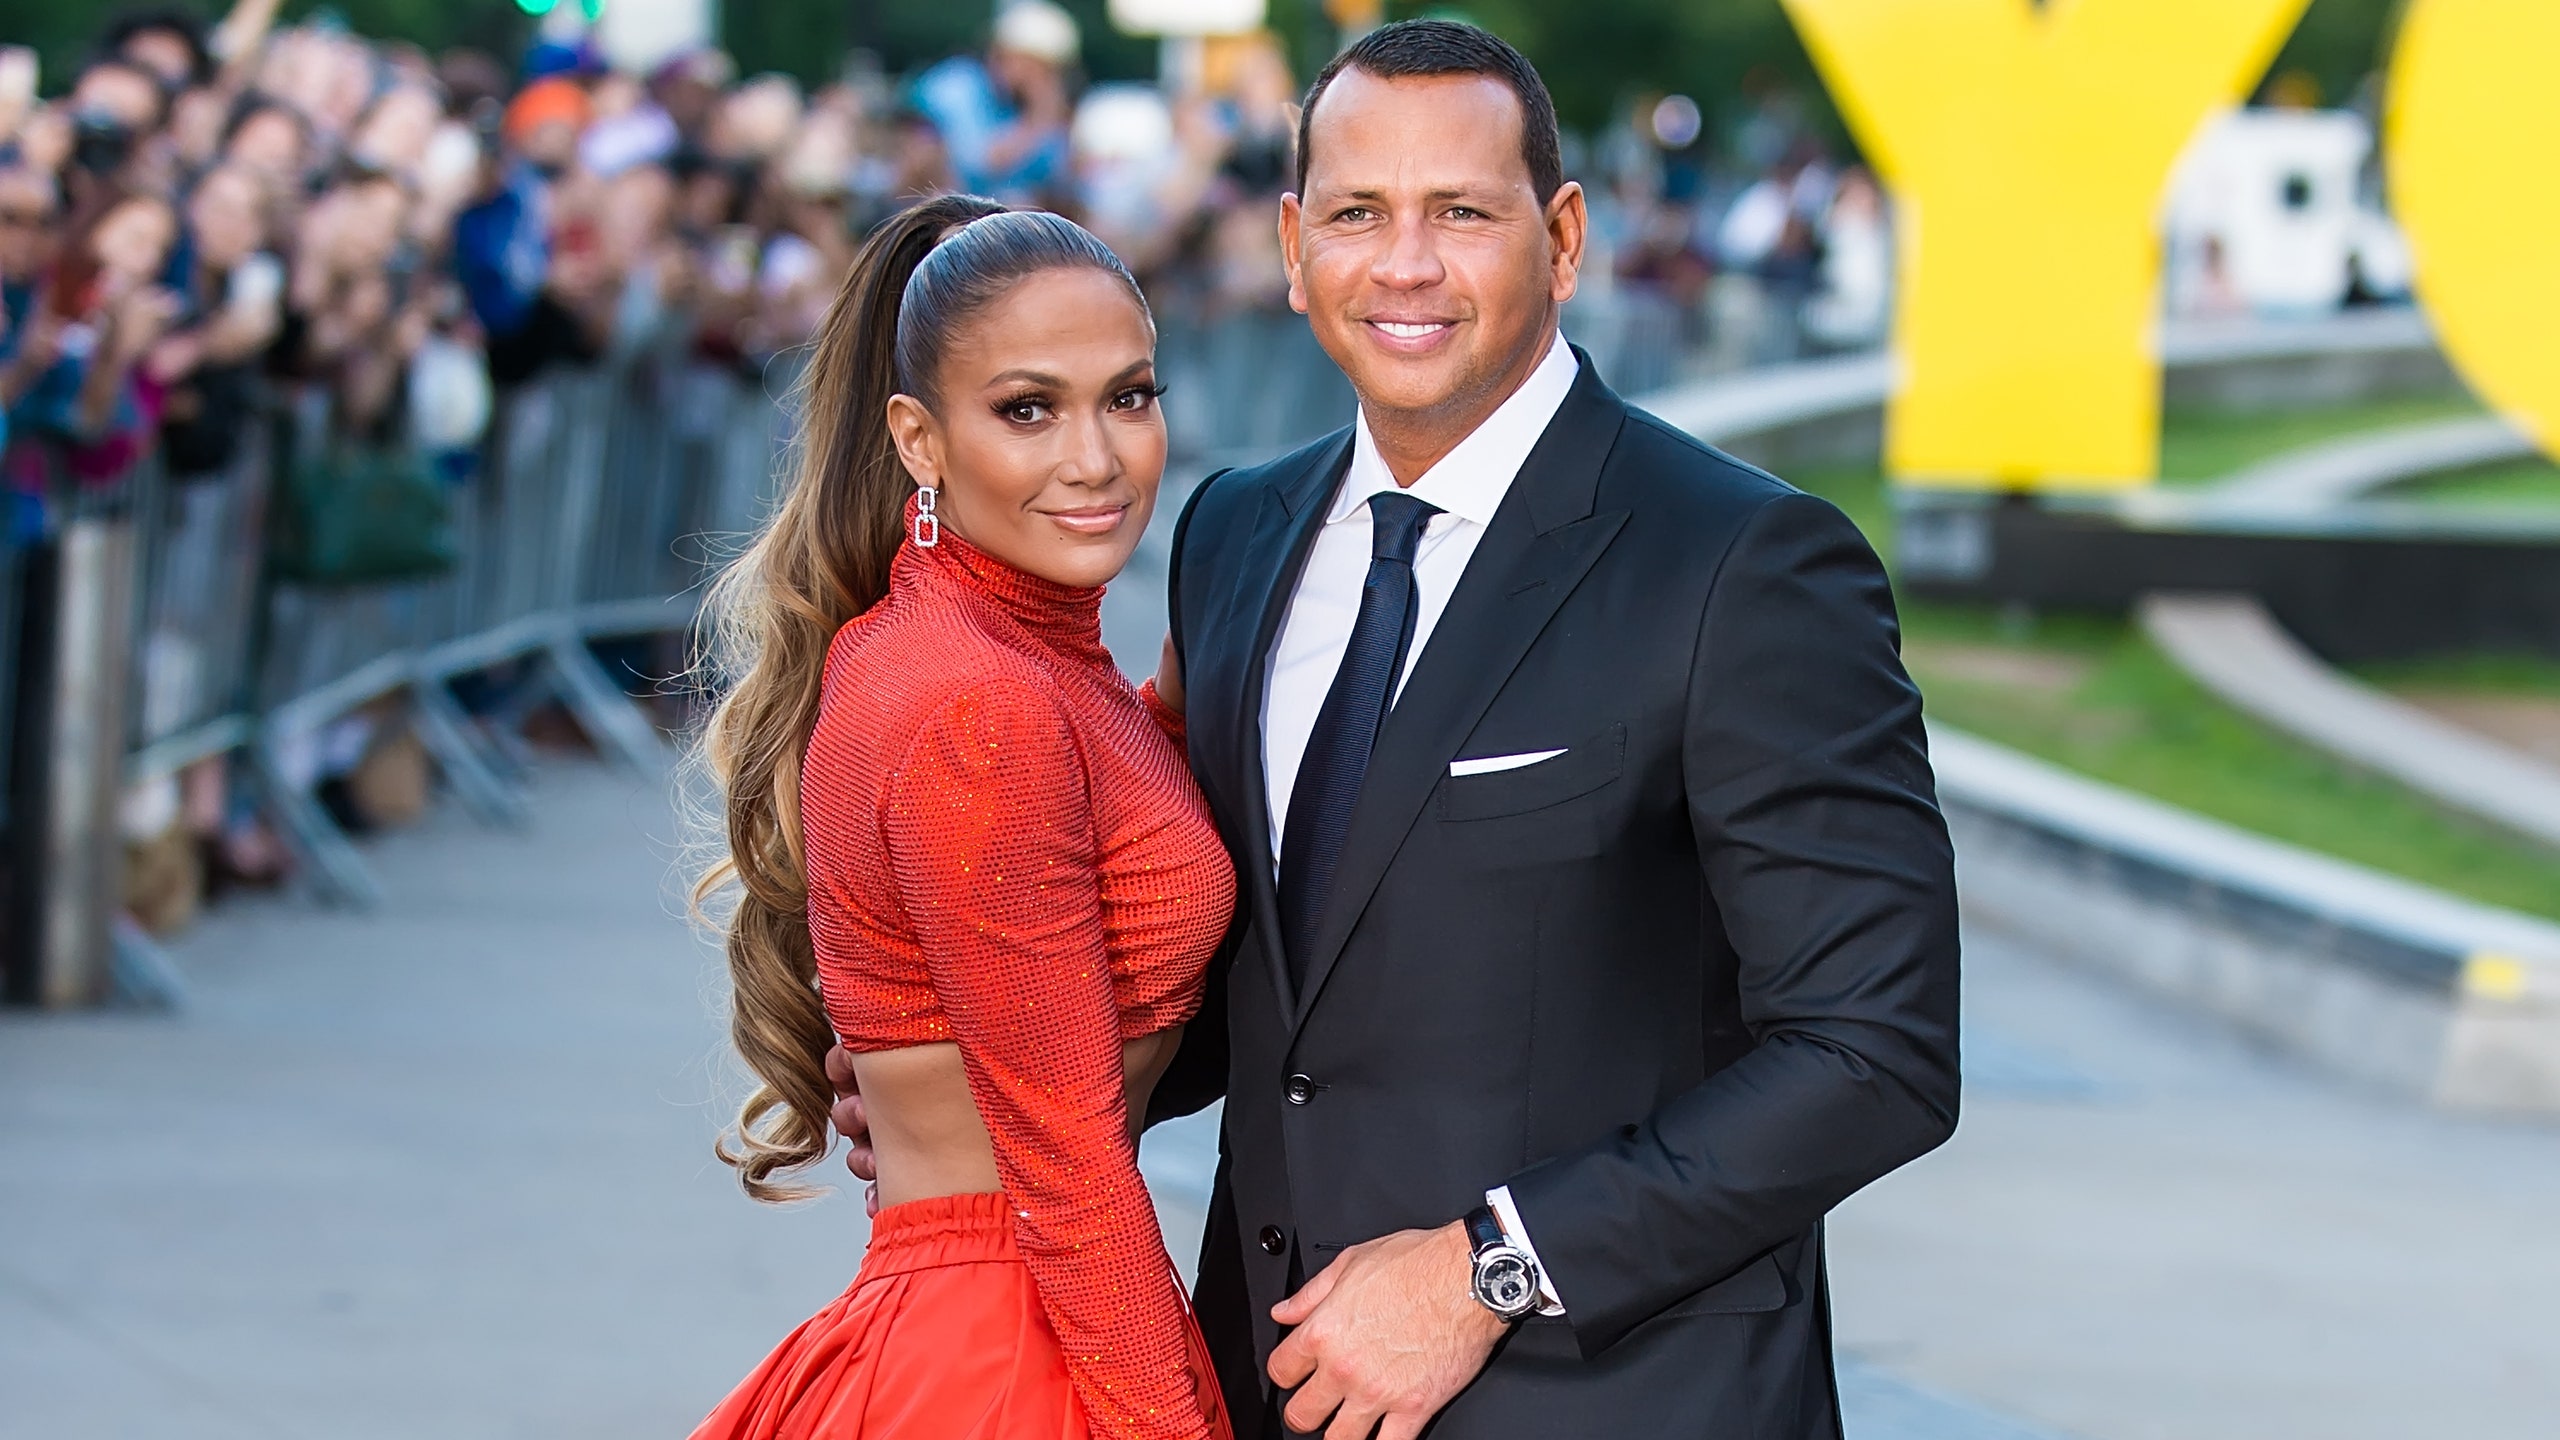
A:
{"x":1597,"y":55}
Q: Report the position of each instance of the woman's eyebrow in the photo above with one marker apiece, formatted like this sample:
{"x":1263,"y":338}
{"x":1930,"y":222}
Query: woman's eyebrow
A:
{"x":1021,"y":376}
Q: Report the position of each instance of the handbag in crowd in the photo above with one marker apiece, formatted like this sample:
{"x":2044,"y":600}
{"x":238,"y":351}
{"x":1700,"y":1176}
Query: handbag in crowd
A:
{"x":362,"y":515}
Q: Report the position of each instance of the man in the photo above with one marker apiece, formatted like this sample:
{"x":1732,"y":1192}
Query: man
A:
{"x":1004,"y":119}
{"x":168,"y":42}
{"x":117,"y":107}
{"x":1593,"y":877}
{"x":1597,"y":925}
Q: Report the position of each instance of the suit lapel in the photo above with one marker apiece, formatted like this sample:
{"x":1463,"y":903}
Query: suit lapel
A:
{"x":1292,"y":512}
{"x":1543,"y":541}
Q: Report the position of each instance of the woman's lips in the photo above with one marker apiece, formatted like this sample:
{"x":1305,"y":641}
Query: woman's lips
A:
{"x":1098,"y":520}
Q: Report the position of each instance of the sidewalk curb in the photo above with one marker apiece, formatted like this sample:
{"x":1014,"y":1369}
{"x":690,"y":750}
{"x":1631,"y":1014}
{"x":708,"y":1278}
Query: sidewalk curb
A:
{"x":2368,"y":974}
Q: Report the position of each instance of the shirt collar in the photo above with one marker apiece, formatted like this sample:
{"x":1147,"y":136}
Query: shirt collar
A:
{"x":1470,"y":481}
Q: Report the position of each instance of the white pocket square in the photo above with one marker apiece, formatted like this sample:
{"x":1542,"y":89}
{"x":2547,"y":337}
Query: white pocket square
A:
{"x":1489,"y":764}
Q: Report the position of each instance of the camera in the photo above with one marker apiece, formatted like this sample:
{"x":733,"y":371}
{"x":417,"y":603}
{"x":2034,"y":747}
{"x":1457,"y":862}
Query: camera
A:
{"x":100,"y":143}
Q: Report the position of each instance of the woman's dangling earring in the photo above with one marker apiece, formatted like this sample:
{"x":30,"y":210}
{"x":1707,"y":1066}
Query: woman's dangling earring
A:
{"x":928,"y":526}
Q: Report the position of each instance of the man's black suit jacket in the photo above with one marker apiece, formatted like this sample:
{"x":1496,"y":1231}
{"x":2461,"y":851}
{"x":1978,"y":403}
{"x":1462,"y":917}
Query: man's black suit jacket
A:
{"x":1683,"y":988}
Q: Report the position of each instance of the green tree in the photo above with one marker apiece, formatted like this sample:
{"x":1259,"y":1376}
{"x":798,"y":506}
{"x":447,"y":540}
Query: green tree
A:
{"x":810,"y":38}
{"x":2340,"y":42}
{"x":1598,"y":56}
{"x":64,"y":33}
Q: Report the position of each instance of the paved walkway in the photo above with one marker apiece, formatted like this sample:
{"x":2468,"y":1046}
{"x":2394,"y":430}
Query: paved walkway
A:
{"x":443,"y":1172}
{"x":2147,"y":1228}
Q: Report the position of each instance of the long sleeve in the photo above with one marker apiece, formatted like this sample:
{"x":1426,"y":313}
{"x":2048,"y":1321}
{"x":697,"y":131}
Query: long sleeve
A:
{"x":991,"y":836}
{"x":1168,"y":719}
{"x":1816,"y":822}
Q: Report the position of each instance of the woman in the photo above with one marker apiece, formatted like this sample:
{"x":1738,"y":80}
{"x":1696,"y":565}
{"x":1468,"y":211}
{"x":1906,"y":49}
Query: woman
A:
{"x":70,"y":377}
{"x":968,"y":847}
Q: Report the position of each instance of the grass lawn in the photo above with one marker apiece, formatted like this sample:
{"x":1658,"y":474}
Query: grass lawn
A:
{"x":2523,"y":676}
{"x":2520,"y":482}
{"x":2198,"y":447}
{"x":2092,"y":694}
{"x":2204,"y":445}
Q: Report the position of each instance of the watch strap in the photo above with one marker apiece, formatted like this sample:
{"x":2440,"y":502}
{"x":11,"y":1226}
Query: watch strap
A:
{"x":1483,"y":1230}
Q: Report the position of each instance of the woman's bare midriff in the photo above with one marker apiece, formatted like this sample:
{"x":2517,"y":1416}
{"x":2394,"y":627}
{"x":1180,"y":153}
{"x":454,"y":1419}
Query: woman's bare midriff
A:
{"x":925,"y":1127}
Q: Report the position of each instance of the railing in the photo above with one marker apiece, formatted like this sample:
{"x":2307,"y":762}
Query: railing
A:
{"x":589,"y":514}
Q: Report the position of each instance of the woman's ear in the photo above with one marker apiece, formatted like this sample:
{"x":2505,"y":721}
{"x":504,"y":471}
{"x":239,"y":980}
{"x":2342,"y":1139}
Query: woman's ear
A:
{"x":919,"y":440}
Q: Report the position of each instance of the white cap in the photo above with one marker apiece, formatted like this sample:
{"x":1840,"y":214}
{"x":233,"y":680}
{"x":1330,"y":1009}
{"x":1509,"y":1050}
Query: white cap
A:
{"x":1122,"y":122}
{"x":1039,"y":29}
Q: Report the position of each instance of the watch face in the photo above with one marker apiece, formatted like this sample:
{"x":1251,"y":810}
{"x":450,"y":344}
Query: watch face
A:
{"x":1506,"y":1285}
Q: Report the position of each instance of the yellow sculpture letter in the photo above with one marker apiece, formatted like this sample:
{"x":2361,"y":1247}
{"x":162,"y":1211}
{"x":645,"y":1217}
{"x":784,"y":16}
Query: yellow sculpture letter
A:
{"x":2470,"y":106}
{"x":2027,"y":147}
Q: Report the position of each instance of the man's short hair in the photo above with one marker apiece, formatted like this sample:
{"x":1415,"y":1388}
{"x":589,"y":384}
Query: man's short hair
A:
{"x":187,"y":26}
{"x":1451,"y":47}
{"x":160,"y":97}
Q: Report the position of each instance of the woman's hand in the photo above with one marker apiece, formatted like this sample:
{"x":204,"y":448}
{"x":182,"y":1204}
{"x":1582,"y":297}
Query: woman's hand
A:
{"x":1169,"y":676}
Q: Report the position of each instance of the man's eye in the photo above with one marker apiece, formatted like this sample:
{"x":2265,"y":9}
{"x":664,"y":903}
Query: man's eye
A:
{"x":1465,"y":212}
{"x":1353,"y":215}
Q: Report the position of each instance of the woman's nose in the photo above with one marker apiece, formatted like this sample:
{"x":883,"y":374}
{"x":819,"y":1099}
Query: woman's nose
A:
{"x":1088,"y":458}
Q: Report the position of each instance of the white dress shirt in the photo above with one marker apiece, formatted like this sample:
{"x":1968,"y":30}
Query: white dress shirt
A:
{"x":1467,"y":486}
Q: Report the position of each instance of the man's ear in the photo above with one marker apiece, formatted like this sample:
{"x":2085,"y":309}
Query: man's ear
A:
{"x":919,"y":441}
{"x":1291,"y":218}
{"x":1568,"y":228}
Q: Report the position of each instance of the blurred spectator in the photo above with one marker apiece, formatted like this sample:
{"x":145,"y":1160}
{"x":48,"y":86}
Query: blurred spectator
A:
{"x":1661,"y":253}
{"x":169,"y":43}
{"x":1852,"y":303}
{"x":96,"y":309}
{"x":1771,"y":228}
{"x":1004,"y":119}
{"x":210,"y":365}
{"x":115,"y":112}
{"x":521,"y":277}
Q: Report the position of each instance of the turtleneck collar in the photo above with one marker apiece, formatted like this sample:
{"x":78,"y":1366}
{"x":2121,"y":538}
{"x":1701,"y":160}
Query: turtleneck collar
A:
{"x":1069,"y":615}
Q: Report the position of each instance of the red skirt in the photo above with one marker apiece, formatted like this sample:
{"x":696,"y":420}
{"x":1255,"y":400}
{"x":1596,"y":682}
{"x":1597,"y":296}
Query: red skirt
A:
{"x":940,"y":1337}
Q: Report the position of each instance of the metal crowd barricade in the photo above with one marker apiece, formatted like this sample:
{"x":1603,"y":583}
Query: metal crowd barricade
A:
{"x":592,"y":514}
{"x":1638,"y":339}
{"x":601,"y":500}
{"x":1246,"y":387}
{"x":574,"y":529}
{"x":198,"y":609}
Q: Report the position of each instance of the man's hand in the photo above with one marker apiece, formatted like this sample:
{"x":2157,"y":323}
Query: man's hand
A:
{"x":854,"y":1125}
{"x":1386,"y":1335}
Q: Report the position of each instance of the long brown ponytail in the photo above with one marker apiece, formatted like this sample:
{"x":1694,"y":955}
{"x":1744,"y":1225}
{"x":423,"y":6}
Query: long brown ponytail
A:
{"x":822,"y":560}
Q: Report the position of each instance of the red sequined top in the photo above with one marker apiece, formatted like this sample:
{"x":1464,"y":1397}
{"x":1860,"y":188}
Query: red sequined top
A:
{"x":1004,"y":850}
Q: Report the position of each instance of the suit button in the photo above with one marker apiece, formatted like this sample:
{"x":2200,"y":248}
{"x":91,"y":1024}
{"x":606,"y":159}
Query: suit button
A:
{"x":1273,"y":1242}
{"x":1300,"y":1090}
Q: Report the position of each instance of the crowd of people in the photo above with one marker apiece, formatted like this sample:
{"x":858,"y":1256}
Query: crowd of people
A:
{"x":207,"y":227}
{"x":203,"y":210}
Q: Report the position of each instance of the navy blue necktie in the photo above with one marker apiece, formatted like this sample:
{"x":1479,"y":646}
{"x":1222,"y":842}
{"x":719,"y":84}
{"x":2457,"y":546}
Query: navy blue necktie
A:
{"x":1337,"y":754}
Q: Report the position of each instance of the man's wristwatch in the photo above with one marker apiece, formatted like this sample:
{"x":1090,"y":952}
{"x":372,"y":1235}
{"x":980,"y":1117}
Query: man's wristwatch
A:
{"x":1506,"y":1279}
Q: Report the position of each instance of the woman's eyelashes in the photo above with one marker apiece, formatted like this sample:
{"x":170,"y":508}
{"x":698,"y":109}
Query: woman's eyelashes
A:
{"x":1029,"y":407}
{"x":1035,"y":407}
{"x":1138,"y":398}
